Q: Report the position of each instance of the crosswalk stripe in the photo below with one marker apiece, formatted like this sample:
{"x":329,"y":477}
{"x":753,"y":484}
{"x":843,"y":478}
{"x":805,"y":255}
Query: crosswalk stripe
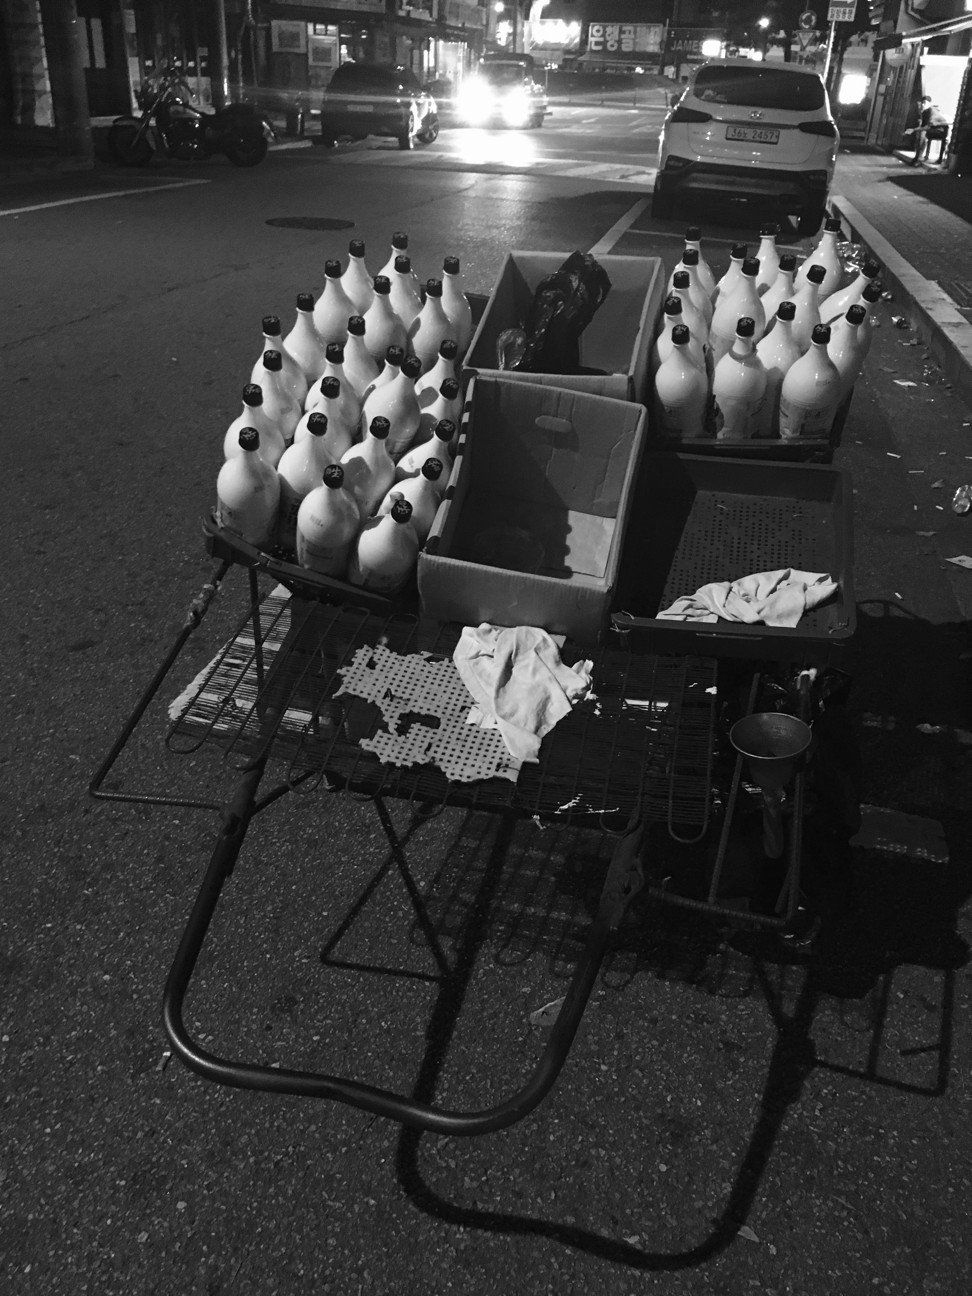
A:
{"x":570,"y":168}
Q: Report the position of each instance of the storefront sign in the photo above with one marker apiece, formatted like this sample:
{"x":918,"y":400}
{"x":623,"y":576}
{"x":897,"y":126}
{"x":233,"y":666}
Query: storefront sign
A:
{"x":625,"y":38}
{"x":461,"y":13}
{"x":418,"y":10}
{"x":288,"y":37}
{"x":356,"y":6}
{"x":842,"y":12}
{"x":685,"y":43}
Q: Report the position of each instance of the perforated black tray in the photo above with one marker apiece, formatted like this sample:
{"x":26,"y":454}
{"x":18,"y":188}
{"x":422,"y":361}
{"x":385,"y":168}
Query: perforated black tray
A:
{"x":697,"y":519}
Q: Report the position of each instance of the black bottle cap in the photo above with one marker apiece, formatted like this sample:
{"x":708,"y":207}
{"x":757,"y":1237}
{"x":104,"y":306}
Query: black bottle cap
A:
{"x":401,"y":511}
{"x":334,"y":476}
{"x":690,"y":257}
{"x":448,"y":348}
{"x":680,"y":334}
{"x":332,"y":269}
{"x":745,"y":327}
{"x":379,"y":427}
{"x":356,"y":325}
{"x":433,"y":288}
{"x":432,"y":469}
{"x":382,"y":285}
{"x":253,"y":394}
{"x":356,"y":248}
{"x":750,"y":266}
{"x":871,"y":269}
{"x":445,"y":429}
{"x":249,"y":439}
{"x":693,"y":234}
{"x":317,"y":423}
{"x":411,"y":367}
{"x":786,"y":310}
{"x":872,"y":293}
{"x":394,"y":355}
{"x":739,"y":251}
{"x":832,"y":225}
{"x":403,"y":264}
{"x":273,"y":361}
{"x":857,"y":314}
{"x":451,"y":265}
{"x":817,"y":274}
{"x":769,"y":230}
{"x":681,"y":279}
{"x":334,"y":351}
{"x":330,"y":386}
{"x":271,"y":325}
{"x":673,"y":305}
{"x":305,"y":301}
{"x":788,"y":261}
{"x":820,"y":334}
{"x":400,"y":241}
{"x":449,"y":388}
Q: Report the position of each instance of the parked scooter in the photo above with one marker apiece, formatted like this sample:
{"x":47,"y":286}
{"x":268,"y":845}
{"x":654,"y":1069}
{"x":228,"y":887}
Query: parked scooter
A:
{"x":172,"y":124}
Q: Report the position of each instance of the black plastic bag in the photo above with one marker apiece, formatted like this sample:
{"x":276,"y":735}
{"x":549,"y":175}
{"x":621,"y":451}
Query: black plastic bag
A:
{"x":563,"y":305}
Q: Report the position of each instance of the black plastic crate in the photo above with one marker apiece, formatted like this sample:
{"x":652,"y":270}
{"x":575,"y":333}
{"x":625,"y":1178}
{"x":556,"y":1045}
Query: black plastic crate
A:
{"x":697,"y":519}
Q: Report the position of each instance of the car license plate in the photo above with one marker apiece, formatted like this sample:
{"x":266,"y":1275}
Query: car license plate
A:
{"x":754,"y":134}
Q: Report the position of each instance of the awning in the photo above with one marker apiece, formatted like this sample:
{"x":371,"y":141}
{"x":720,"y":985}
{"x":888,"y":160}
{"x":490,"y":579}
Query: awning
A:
{"x":948,"y":28}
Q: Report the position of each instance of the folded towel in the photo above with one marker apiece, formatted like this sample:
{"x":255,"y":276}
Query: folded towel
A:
{"x":776,"y":598}
{"x":515,"y":675}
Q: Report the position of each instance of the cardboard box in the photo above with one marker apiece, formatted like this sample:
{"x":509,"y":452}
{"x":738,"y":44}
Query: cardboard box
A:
{"x":533,"y":522}
{"x":616,"y":341}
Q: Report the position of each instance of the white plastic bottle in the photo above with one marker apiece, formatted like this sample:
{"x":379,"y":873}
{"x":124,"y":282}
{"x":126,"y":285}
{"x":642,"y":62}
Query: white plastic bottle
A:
{"x":279,"y":403}
{"x":681,"y":391}
{"x":780,"y":290}
{"x":327,"y":524}
{"x":248,"y":492}
{"x":692,"y":317}
{"x":738,"y":387}
{"x":359,"y":368}
{"x":406,"y":300}
{"x":778,"y":352}
{"x":662,"y":349}
{"x":340,"y":432}
{"x":292,"y":373}
{"x":396,"y":401}
{"x":455,"y":303}
{"x":430,"y":328}
{"x":399,"y":247}
{"x":368,"y":468}
{"x":348,"y":401}
{"x":334,"y":307}
{"x":811,"y":392}
{"x":423,"y":493}
{"x":356,"y":280}
{"x":806,"y":302}
{"x":734,"y":304}
{"x":768,"y":257}
{"x":383,"y":328}
{"x":693,"y":243}
{"x":384,"y":554}
{"x":690,"y":265}
{"x":447,"y":405}
{"x":304,"y":342}
{"x":271,"y":445}
{"x":840,"y":302}
{"x":391,"y":367}
{"x":439,"y":446}
{"x":849,"y":345}
{"x":300,"y":471}
{"x":825,"y":254}
{"x":428,"y":384}
{"x":869,"y":299}
{"x":733,"y":272}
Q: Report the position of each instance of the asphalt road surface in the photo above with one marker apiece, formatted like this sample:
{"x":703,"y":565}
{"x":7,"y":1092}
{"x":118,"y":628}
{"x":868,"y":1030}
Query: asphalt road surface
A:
{"x":734,"y":1116}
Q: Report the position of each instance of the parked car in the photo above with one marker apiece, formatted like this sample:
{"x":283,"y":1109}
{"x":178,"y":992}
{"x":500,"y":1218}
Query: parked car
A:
{"x":750,"y":130}
{"x":502,"y":92}
{"x":364,"y":99}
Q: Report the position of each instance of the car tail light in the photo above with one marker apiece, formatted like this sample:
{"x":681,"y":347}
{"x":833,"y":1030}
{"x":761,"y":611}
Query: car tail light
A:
{"x":826,"y":128}
{"x":680,"y":114}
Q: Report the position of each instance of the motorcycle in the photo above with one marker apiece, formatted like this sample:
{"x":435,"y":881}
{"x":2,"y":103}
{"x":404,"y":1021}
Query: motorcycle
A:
{"x":173,"y":125}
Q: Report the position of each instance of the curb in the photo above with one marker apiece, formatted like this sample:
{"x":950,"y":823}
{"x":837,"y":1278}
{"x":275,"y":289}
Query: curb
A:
{"x":939,"y":322}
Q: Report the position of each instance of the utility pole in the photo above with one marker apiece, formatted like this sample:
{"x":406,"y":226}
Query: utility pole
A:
{"x":219,"y":74}
{"x":63,"y":34}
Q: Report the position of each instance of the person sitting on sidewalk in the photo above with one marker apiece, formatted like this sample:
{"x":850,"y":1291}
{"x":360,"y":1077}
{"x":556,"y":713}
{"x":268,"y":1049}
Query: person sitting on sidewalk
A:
{"x":932,"y":125}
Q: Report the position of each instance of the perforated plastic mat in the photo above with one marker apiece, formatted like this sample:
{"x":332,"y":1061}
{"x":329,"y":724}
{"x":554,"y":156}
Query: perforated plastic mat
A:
{"x":276,"y":687}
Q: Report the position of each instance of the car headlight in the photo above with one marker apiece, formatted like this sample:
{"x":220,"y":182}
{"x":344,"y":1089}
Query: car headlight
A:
{"x":516,"y":107}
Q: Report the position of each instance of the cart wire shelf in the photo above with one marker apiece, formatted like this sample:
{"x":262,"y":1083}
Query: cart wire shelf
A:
{"x":643,"y":745}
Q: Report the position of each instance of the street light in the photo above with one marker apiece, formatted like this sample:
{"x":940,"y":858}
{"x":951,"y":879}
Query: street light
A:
{"x":763,"y":25}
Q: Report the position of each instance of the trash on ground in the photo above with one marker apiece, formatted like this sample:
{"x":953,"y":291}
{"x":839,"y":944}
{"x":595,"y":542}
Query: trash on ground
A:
{"x":961,"y":560}
{"x":899,"y":321}
{"x":904,"y":382}
{"x":547,"y":1015}
{"x":747,"y":1233}
{"x":892,"y":455}
{"x":962,"y":499}
{"x":938,"y":485}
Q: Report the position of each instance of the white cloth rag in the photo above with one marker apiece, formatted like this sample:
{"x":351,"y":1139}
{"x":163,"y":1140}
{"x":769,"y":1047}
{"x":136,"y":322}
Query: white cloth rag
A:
{"x":516,"y":677}
{"x":776,"y":598}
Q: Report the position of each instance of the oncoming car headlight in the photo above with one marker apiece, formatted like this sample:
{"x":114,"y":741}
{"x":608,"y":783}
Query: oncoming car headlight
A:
{"x":475,"y":102}
{"x":516,"y":107}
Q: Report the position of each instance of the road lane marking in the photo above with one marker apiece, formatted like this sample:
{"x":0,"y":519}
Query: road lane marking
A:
{"x":604,"y":245}
{"x":114,"y":193}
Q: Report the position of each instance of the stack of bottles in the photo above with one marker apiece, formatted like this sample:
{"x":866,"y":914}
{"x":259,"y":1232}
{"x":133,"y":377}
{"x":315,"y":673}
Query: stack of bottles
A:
{"x":343,"y":447}
{"x":769,"y":350}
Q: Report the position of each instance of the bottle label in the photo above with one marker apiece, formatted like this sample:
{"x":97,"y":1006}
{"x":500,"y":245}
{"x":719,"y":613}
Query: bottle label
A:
{"x":736,"y":420}
{"x":325,"y":559}
{"x":798,"y":421}
{"x":686,"y":421}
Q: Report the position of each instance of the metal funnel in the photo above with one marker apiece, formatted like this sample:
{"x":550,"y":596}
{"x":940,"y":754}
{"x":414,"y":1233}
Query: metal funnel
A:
{"x":771,"y":742}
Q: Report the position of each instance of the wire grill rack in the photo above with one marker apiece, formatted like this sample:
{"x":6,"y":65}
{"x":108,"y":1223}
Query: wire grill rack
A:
{"x":644,"y":742}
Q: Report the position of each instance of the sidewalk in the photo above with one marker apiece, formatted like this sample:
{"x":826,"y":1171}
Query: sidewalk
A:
{"x":917,"y":222}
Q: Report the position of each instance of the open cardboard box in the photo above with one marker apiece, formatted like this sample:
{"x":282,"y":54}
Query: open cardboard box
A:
{"x":614,"y":346}
{"x":532,"y":526}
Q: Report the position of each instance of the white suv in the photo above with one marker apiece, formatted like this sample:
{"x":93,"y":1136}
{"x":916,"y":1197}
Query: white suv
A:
{"x":751,"y":130}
